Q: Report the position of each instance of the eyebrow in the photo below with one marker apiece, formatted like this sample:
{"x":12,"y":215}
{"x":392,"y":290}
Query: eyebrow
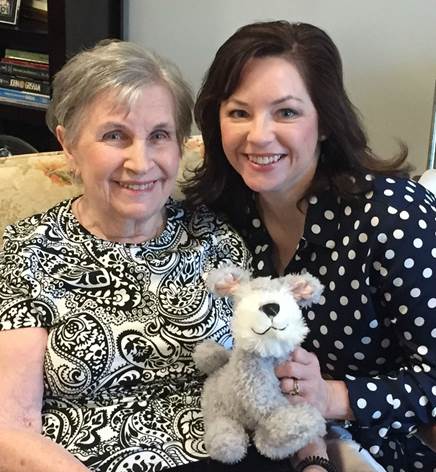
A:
{"x":275,"y":102}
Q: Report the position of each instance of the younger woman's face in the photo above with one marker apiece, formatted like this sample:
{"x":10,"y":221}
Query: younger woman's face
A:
{"x":269,"y":128}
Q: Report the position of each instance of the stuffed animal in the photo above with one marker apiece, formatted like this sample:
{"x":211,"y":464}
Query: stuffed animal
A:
{"x":241,"y":396}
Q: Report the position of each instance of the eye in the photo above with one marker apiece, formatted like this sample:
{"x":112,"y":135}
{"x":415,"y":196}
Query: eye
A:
{"x":238,"y":113}
{"x":160,"y":135}
{"x":287,"y":113}
{"x":115,"y":135}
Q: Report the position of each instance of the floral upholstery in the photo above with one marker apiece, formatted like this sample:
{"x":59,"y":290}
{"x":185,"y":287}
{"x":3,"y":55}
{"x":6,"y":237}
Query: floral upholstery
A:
{"x":31,"y":183}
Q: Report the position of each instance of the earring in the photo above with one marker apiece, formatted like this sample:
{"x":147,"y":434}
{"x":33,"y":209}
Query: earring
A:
{"x":323,"y":137}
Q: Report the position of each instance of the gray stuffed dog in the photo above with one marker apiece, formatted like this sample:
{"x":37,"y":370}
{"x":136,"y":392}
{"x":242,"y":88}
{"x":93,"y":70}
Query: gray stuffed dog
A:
{"x":242,"y":395}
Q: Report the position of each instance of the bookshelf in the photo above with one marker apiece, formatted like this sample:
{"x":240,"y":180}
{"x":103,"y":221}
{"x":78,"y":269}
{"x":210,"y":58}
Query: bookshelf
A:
{"x":71,"y":25}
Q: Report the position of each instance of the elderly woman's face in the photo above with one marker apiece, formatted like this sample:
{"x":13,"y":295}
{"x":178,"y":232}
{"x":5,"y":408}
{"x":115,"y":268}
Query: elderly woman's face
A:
{"x":128,"y":162}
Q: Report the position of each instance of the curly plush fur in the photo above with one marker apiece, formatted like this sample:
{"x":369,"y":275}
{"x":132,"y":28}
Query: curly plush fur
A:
{"x":242,"y":395}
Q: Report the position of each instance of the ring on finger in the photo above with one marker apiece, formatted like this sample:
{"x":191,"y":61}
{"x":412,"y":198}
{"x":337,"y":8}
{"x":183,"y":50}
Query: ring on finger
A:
{"x":296,"y":387}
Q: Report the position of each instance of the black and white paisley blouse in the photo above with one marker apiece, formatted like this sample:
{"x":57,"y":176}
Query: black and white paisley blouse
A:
{"x":376,"y":325}
{"x":120,"y":389}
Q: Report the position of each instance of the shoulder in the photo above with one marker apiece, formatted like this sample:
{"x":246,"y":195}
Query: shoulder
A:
{"x":35,"y":225}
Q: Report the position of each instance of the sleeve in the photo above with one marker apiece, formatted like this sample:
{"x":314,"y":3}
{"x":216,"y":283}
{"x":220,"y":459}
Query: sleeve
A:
{"x":403,"y":272}
{"x":20,"y":303}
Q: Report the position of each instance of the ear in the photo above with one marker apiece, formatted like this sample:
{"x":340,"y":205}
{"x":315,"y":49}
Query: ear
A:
{"x":60,"y":135}
{"x":306,"y":288}
{"x":226,"y":280}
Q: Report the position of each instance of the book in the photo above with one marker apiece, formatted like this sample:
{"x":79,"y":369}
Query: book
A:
{"x":21,"y":69}
{"x":34,"y":86}
{"x":31,"y":56}
{"x":20,"y":97}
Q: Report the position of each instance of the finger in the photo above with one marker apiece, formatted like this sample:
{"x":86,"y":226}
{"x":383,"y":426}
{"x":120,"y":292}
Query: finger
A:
{"x":286,"y":385}
{"x":304,"y":357}
{"x":284,"y":369}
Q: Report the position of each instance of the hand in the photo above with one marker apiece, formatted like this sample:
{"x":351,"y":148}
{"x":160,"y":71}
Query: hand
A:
{"x":315,"y":448}
{"x":303,"y":367}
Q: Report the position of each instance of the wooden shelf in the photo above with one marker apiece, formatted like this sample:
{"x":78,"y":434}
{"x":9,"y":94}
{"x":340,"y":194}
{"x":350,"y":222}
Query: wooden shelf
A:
{"x":71,"y":26}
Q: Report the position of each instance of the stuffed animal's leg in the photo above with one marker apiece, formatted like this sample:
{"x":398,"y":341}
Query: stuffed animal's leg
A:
{"x":226,"y":440}
{"x":288,"y":429}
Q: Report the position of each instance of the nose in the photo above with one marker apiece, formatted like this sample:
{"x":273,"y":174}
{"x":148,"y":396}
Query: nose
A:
{"x":260,"y":131}
{"x":270,"y":309}
{"x":138,"y":158}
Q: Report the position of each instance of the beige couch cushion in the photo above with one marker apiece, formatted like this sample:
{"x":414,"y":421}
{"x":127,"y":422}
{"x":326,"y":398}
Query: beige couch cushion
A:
{"x":32,"y":183}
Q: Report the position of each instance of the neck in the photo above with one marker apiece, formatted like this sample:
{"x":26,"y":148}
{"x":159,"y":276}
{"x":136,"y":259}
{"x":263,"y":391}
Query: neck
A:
{"x":126,"y":231}
{"x":284,"y":220}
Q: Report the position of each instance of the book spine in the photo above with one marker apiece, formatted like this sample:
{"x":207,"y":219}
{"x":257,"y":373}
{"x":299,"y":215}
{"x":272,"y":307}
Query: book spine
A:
{"x":21,"y":97}
{"x":23,"y":71}
{"x":34,"y":86}
{"x":27,"y":55}
{"x":20,"y":62}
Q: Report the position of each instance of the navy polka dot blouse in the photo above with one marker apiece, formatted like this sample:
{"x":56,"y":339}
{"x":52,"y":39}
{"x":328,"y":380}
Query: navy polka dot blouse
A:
{"x":375,"y":327}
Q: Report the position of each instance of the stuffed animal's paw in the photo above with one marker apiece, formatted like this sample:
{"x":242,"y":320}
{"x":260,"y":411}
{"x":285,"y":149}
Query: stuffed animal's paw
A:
{"x":288,"y":429}
{"x":209,"y":356}
{"x":226,"y":440}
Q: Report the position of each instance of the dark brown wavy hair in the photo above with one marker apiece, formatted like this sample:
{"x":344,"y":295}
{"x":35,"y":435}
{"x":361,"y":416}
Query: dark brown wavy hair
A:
{"x":345,"y":156}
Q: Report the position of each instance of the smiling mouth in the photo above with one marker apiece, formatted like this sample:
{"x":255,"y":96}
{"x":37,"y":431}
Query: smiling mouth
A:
{"x":138,"y":187}
{"x":267,"y":329}
{"x":264,"y":160}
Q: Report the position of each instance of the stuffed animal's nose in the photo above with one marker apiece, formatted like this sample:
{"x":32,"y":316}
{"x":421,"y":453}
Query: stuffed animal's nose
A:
{"x":270,"y":309}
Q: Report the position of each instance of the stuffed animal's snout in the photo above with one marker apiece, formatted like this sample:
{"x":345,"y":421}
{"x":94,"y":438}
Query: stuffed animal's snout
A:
{"x":270,"y":309}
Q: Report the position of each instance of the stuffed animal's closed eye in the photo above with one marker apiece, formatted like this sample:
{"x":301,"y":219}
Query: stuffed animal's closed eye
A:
{"x":242,"y":395}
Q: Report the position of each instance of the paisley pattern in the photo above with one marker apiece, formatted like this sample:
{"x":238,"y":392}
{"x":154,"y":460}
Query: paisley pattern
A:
{"x":121,"y":390}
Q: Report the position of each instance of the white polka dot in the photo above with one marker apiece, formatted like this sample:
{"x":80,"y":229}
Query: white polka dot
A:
{"x":432,"y":303}
{"x":322,"y":270}
{"x":404,"y":215}
{"x":374,"y":221}
{"x":388,"y":192}
{"x":316,"y":229}
{"x":260,"y":265}
{"x":422,"y":224}
{"x":363,"y":237}
{"x":408,"y":198}
{"x":407,"y":335}
{"x":415,"y":292}
{"x":365,"y":340}
{"x":433,"y":333}
{"x":343,"y":301}
{"x":427,"y":273}
{"x":356,"y":224}
{"x":351,"y":254}
{"x":408,"y":388}
{"x":359,"y":356}
{"x":382,"y":432}
{"x":390,"y":254}
{"x":313,"y":200}
{"x":256,"y":223}
{"x":311,"y":315}
{"x":333,"y":315}
{"x":348,"y":330}
{"x":398,"y":234}
{"x":355,"y":284}
{"x":371,"y":386}
{"x":374,"y":449}
{"x":364,"y":299}
{"x":419,"y":321}
{"x":357,"y":315}
{"x":409,"y":263}
{"x":396,"y":425}
{"x":392,"y":210}
{"x":373,"y":324}
{"x":417,"y":242}
{"x":330,"y":244}
{"x":382,"y":238}
{"x":422,"y":208}
{"x":423,"y":401}
{"x":347,"y":211}
{"x":346,"y":240}
{"x":361,"y":403}
{"x":433,"y":252}
{"x":339,"y":345}
{"x":376,"y":414}
{"x":422,"y":350}
{"x":341,"y":270}
{"x":332,"y":285}
{"x":329,"y":215}
{"x":258,"y":250}
{"x":409,"y":414}
{"x":323,"y":329}
{"x":367,"y":207}
{"x":334,"y":256}
{"x":403,"y":309}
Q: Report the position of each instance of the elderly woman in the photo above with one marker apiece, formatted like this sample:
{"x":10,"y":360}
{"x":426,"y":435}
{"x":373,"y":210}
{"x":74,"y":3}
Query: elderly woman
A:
{"x":102,"y":298}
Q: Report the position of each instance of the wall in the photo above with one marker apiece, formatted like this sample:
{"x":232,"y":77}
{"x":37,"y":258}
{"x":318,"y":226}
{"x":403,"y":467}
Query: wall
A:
{"x":388,"y":49}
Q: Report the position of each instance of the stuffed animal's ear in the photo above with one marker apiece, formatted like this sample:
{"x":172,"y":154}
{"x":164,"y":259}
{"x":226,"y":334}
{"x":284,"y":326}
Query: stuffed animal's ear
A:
{"x":306,"y":288}
{"x":225,"y":280}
